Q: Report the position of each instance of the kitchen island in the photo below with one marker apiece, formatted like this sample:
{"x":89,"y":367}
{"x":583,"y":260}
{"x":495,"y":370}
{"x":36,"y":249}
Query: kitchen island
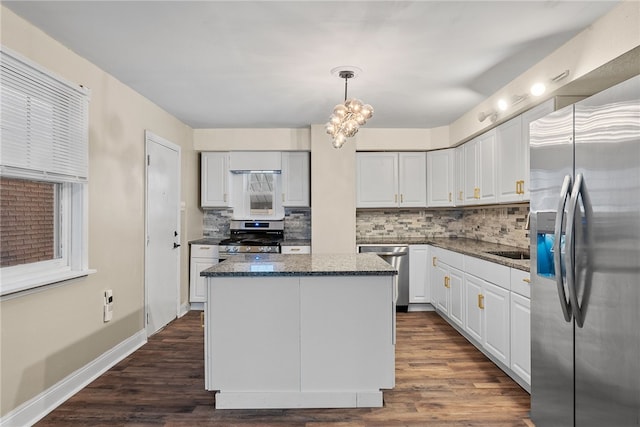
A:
{"x":300,"y":331}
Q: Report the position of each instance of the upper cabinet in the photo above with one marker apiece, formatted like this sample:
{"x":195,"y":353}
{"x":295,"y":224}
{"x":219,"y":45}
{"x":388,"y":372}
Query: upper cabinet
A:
{"x":480,"y":169}
{"x":441,"y":184}
{"x":391,"y":180}
{"x":532,"y":115}
{"x":512,"y":139}
{"x":214,"y":180}
{"x":295,"y":179}
{"x":413,"y":179}
{"x":513,"y":158}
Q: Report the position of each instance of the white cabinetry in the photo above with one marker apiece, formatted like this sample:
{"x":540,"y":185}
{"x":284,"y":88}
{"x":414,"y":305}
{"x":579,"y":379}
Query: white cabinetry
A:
{"x":419,"y":283}
{"x":413,"y":179}
{"x":459,"y":176}
{"x":202,"y":257}
{"x":532,"y":115}
{"x":295,"y":179}
{"x":441,"y":177}
{"x":480,"y":169}
{"x":278,"y":348}
{"x":512,"y":141}
{"x":513,"y":159}
{"x":487,"y":306}
{"x":391,"y":180}
{"x":293,"y":250}
{"x":521,"y":324}
{"x":214,"y":180}
{"x":446,"y":284}
{"x":521,"y":336}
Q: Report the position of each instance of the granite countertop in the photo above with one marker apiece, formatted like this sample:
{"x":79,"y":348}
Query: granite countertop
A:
{"x":301,"y":265}
{"x":471,"y":247}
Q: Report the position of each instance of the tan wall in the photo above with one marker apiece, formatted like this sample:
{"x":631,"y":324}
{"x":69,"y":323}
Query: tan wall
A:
{"x":49,"y":334}
{"x":333,"y":194}
{"x":252,"y":139}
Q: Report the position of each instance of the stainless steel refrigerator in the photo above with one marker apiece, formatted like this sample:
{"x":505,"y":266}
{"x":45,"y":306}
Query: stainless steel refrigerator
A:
{"x":585,"y":262}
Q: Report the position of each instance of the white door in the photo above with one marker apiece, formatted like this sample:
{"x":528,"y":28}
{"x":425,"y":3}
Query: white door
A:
{"x":162,"y":254}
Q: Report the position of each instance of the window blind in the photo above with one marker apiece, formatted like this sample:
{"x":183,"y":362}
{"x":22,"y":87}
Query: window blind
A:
{"x":43,"y":123}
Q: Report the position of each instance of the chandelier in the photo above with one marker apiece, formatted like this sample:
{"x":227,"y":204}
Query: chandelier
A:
{"x":348,"y":116}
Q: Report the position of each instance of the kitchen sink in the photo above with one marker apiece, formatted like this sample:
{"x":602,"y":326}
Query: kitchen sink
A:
{"x":512,"y":254}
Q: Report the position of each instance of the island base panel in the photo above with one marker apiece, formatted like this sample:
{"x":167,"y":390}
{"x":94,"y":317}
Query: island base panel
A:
{"x":271,"y":400}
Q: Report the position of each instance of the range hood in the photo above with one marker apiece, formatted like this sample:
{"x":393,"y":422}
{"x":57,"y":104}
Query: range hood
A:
{"x":255,"y":162}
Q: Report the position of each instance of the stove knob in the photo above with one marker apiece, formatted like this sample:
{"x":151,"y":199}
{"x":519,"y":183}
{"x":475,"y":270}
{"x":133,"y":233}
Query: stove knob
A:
{"x":233,"y":249}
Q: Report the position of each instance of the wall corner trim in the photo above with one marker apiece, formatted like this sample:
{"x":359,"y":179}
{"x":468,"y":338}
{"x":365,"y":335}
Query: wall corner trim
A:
{"x":33,"y":410}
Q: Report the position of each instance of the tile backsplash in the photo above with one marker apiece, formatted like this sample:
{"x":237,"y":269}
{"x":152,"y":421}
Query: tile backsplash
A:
{"x":297,"y":223}
{"x":502,"y":224}
{"x":496,"y":224}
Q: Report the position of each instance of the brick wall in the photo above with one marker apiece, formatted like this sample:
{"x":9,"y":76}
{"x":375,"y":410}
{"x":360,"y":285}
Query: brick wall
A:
{"x":26,"y":221}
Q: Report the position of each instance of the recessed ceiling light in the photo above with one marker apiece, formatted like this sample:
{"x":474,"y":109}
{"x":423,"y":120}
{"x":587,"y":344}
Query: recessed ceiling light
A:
{"x":538,"y":89}
{"x":502,"y":105}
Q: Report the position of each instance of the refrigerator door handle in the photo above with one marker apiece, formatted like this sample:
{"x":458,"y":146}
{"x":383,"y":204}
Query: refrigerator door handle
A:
{"x":557,"y":256}
{"x":578,"y":192}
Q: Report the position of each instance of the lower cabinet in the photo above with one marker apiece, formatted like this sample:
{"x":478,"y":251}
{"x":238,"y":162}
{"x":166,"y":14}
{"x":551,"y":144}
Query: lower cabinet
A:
{"x":202,"y":257}
{"x":521,"y":324}
{"x":487,"y":316}
{"x":489,"y":304}
{"x":419,"y":288}
{"x":521,"y":336}
{"x":446,"y":285}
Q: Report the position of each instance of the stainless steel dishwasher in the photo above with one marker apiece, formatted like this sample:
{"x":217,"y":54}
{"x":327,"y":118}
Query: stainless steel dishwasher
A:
{"x":398,"y":257}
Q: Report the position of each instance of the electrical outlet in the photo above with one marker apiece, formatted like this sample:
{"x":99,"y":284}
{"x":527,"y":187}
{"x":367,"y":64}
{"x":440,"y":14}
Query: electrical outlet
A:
{"x":107,"y":309}
{"x":107,"y":314}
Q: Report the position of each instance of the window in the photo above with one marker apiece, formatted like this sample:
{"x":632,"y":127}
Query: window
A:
{"x":43,"y":176}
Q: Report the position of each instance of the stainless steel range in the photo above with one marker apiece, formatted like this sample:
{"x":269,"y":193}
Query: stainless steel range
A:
{"x":252,"y":237}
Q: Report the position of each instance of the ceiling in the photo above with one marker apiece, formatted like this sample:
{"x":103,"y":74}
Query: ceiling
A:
{"x":267,"y":64}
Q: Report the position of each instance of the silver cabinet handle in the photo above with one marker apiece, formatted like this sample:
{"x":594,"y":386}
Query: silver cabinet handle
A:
{"x":557,"y":256}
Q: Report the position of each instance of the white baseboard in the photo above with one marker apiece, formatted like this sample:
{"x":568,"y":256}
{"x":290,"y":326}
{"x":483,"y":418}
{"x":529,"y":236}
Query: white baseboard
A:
{"x":198,"y":306}
{"x":184,"y":309}
{"x":33,"y":410}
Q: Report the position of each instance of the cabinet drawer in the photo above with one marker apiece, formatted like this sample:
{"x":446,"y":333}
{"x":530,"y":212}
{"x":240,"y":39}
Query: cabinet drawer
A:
{"x":520,"y":282}
{"x":454,"y":259}
{"x":296,"y":249}
{"x":204,"y":251}
{"x":491,"y":272}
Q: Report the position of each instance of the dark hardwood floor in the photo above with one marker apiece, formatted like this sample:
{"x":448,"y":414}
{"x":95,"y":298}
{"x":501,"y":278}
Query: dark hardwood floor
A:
{"x":441,"y":380}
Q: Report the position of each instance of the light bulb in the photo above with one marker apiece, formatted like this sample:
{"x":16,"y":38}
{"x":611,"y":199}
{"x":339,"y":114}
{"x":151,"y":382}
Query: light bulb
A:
{"x":359,"y":118}
{"x":339,"y":140}
{"x":350,"y":128}
{"x":334,"y":119}
{"x":330,"y":128}
{"x":340,"y":110}
{"x":502,"y":105}
{"x":366,"y":111}
{"x":538,"y":89}
{"x":356,"y":105}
